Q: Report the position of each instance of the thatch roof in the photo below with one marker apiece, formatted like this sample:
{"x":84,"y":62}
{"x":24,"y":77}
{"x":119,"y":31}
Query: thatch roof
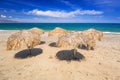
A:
{"x":88,"y":41}
{"x":93,"y":33}
{"x":69,"y":40}
{"x":76,"y":39}
{"x":57,"y":32}
{"x":22,"y":39}
{"x":37,"y":31}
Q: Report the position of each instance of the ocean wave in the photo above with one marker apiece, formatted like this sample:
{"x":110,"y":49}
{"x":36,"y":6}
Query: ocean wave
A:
{"x":103,"y":32}
{"x":111,"y":32}
{"x":9,"y":30}
{"x":3,"y":30}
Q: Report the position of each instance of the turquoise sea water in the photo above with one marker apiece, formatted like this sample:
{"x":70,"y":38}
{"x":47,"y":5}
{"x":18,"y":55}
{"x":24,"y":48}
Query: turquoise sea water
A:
{"x":105,"y":27}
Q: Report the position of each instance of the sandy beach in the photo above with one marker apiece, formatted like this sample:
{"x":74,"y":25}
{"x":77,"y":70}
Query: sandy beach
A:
{"x":100,"y":64}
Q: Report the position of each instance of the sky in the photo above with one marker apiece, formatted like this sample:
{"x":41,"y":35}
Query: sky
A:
{"x":61,"y":11}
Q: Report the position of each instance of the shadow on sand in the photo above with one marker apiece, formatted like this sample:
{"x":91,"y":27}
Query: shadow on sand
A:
{"x":69,"y":55}
{"x":53,"y":44}
{"x":42,"y":42}
{"x":84,"y":47}
{"x":26,"y":53}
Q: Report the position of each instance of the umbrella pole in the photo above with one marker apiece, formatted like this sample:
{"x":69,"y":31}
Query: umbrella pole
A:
{"x":29,"y":50}
{"x":29,"y":47}
{"x":75,"y":50}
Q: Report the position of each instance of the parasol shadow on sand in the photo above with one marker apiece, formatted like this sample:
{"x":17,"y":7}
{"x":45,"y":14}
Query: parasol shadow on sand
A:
{"x":28,"y":53}
{"x":53,"y":44}
{"x":84,"y":47}
{"x":42,"y":42}
{"x":69,"y":55}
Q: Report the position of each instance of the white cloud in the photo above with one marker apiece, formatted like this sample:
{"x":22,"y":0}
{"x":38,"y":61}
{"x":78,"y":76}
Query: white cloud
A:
{"x":90,"y":12}
{"x":63,"y":14}
{"x":91,"y":19}
{"x":2,"y":16}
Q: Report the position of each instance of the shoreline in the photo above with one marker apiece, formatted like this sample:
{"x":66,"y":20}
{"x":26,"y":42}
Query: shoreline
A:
{"x":106,"y":32}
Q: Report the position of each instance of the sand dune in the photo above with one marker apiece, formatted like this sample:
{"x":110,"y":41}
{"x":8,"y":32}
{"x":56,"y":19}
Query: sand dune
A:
{"x":100,"y":64}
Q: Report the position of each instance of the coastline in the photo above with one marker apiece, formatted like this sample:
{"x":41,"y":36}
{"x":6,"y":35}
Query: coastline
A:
{"x":107,"y":32}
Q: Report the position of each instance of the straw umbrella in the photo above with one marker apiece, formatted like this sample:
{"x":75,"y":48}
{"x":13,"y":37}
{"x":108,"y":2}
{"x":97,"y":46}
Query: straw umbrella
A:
{"x":22,"y":39}
{"x":57,"y":32}
{"x":73,"y":40}
{"x":93,"y":33}
{"x":76,"y":39}
{"x":70,"y":40}
{"x":97,"y":33}
{"x":37,"y":31}
{"x":87,"y":41}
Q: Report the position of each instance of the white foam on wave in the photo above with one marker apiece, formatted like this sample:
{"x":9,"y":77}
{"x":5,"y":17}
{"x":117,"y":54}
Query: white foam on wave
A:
{"x":103,"y":32}
{"x":9,"y":30}
{"x":111,"y":32}
{"x":2,"y":30}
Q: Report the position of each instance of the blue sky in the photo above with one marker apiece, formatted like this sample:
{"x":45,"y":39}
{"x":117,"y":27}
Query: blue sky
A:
{"x":61,"y":11}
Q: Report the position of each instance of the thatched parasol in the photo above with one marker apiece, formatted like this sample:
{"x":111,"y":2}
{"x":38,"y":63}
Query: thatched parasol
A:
{"x":67,"y":41}
{"x":93,"y":33}
{"x":37,"y":31}
{"x":90,"y":36}
{"x":57,"y":32}
{"x":88,"y":41}
{"x":71,"y":40}
{"x":22,"y":39}
{"x":76,"y":39}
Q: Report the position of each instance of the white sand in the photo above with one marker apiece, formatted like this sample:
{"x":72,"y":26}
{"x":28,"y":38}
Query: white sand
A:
{"x":100,"y":64}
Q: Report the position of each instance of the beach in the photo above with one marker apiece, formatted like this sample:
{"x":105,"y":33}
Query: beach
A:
{"x":103,"y":63}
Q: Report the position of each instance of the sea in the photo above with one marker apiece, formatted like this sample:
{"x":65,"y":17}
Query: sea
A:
{"x":105,"y":27}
